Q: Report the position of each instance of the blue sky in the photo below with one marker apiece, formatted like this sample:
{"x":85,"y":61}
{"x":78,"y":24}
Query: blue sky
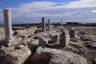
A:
{"x":31,"y":11}
{"x":16,"y":3}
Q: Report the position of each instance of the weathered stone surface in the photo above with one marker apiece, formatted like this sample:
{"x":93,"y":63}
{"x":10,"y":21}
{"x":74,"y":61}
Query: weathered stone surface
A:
{"x":34,"y":42}
{"x":7,"y":25}
{"x":67,"y":59}
{"x":26,"y":31}
{"x":76,"y":48}
{"x":14,"y":55}
{"x":65,"y":37}
{"x":73,"y":33}
{"x":62,"y":56}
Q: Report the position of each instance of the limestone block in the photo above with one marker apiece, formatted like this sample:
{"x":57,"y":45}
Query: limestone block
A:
{"x":62,"y":56}
{"x":14,"y":56}
{"x":34,"y":42}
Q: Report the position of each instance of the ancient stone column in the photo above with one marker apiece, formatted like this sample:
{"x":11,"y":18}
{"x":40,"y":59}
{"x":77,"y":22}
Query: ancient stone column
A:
{"x":43,"y":25}
{"x":49,"y":24}
{"x":7,"y":25}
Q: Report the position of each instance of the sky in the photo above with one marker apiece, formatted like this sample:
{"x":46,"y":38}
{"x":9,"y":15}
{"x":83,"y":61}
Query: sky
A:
{"x":31,"y":11}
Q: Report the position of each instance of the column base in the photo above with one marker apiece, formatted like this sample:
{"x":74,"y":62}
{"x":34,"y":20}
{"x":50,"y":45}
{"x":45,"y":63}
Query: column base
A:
{"x":8,"y":42}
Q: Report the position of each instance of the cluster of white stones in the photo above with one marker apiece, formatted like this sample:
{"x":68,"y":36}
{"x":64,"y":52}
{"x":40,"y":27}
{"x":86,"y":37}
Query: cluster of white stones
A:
{"x":62,"y":35}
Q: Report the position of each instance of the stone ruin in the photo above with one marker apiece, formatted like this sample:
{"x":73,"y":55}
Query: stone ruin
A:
{"x":43,"y":25}
{"x":49,"y":24}
{"x":16,"y":52}
{"x":73,"y":33}
{"x":8,"y":25}
{"x":10,"y":51}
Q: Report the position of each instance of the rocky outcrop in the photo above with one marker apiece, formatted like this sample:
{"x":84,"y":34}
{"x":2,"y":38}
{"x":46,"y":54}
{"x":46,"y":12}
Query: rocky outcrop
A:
{"x":67,"y":59}
{"x":62,"y":56}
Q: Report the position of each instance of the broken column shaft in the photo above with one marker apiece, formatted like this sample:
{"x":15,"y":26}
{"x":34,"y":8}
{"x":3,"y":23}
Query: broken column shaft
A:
{"x":43,"y":25}
{"x":7,"y":25}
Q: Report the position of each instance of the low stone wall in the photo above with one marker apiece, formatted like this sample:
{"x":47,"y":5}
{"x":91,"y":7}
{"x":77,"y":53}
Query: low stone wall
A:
{"x":25,"y":32}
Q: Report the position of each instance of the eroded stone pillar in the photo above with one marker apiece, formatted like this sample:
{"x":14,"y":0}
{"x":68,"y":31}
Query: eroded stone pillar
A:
{"x":65,"y":37}
{"x":43,"y":24}
{"x":49,"y":24}
{"x":7,"y":25}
